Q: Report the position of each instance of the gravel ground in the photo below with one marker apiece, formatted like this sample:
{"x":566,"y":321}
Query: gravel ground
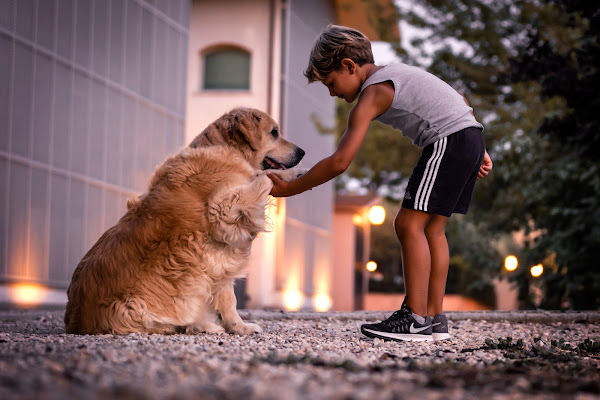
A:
{"x":306,"y":356}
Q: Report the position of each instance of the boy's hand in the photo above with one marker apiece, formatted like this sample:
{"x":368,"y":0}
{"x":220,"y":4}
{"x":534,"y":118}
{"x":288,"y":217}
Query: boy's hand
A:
{"x":280,"y":187}
{"x":486,"y":166}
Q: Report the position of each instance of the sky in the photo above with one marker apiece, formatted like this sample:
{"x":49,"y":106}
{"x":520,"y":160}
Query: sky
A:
{"x":382,"y":51}
{"x":384,"y":54}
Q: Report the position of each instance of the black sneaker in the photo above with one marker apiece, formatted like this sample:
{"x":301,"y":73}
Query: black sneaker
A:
{"x":439,"y":327}
{"x":401,"y":325}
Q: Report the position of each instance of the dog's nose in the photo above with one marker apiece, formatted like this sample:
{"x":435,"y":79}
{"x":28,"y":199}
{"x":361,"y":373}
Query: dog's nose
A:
{"x":299,"y":153}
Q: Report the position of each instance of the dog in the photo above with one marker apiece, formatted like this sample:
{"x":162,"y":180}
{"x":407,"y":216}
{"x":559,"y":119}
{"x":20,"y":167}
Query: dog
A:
{"x":169,"y":264}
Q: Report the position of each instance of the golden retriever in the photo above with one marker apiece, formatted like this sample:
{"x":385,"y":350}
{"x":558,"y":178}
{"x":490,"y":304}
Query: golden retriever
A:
{"x":169,"y":264}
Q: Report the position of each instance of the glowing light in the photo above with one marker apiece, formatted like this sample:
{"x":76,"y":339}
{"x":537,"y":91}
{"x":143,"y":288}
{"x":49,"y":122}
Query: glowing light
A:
{"x":376,"y":215}
{"x":27,"y":293}
{"x":322,"y":302}
{"x":511,"y":263}
{"x":292,"y":300}
{"x":537,"y":270}
{"x":357,"y":219}
{"x":371,"y":266}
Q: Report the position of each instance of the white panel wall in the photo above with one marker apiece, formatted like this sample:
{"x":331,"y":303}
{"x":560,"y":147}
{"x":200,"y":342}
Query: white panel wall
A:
{"x":91,"y":100}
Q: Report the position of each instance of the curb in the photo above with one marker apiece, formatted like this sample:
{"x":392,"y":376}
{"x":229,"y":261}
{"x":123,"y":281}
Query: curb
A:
{"x":539,"y":317}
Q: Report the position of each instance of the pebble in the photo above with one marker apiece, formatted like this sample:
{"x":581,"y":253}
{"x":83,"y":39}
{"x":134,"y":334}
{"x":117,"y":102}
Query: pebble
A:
{"x":298,"y":356}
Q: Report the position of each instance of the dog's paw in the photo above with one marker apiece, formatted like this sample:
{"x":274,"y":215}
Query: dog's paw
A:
{"x":205,"y":327}
{"x":289,"y":174}
{"x":214,"y":328}
{"x":245,"y":329}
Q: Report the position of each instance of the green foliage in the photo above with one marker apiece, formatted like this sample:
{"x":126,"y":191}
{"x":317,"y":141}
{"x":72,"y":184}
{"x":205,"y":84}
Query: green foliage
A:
{"x":564,"y":186}
{"x":473,"y":40}
{"x":504,"y":344}
{"x":473,"y":261}
{"x":553,"y":352}
{"x":589,"y":346}
{"x":530,"y":70}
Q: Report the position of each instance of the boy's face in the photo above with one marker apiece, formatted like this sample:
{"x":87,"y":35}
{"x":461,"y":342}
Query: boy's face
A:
{"x":343,"y":83}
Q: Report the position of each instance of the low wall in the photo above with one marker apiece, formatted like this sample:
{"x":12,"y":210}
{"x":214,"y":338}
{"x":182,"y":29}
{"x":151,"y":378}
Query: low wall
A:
{"x":390,"y":302}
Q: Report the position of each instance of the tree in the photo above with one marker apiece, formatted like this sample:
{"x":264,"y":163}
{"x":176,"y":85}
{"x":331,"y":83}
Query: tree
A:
{"x":530,"y":70}
{"x":563,"y":186}
{"x":386,"y":160}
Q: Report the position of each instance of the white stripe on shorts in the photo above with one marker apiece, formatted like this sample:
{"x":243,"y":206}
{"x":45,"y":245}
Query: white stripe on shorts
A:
{"x":431,"y":170}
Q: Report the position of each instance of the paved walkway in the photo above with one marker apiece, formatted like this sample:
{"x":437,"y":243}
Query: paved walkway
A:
{"x":503,"y":355}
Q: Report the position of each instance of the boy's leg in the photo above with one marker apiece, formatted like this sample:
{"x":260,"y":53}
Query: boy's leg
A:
{"x":435,"y":231}
{"x":410,"y":228}
{"x":411,"y":322}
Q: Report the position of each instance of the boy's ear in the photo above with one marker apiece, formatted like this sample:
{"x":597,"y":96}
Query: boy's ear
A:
{"x":348,"y":64}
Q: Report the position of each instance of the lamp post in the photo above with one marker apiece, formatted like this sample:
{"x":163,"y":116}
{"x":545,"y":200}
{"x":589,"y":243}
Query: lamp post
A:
{"x":375,"y":216}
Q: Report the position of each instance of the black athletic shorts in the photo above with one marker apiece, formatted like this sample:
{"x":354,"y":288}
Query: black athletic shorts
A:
{"x":443,"y":180}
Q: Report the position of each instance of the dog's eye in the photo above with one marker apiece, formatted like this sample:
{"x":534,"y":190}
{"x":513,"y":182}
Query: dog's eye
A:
{"x":274,"y":133}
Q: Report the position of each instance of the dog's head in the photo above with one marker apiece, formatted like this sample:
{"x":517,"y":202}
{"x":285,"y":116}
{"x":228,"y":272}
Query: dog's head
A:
{"x":255,"y":135}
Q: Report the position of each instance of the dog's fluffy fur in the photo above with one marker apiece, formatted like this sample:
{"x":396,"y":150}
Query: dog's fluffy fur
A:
{"x":169,"y":264}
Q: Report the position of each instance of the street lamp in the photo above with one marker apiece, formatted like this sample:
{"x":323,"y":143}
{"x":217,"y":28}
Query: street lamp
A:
{"x":376,"y":215}
{"x":371,"y":266}
{"x":537,"y":270}
{"x":27,"y":293}
{"x":511,"y":263}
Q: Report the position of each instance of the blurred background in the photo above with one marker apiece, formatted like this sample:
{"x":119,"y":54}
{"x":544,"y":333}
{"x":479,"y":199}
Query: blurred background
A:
{"x":94,"y":94}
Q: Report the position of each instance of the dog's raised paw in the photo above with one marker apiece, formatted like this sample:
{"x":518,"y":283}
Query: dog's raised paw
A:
{"x":289,"y":174}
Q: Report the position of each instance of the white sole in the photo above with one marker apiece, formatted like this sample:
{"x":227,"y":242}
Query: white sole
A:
{"x":400,"y":336}
{"x":440,"y":336}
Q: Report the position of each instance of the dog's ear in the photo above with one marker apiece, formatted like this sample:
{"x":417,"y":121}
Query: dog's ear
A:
{"x":238,"y":128}
{"x":244,"y":128}
{"x":212,"y":135}
{"x":257,"y":115}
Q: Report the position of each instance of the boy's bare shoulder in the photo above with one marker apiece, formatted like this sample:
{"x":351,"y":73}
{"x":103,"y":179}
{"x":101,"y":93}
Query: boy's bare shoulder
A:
{"x":378,"y":95}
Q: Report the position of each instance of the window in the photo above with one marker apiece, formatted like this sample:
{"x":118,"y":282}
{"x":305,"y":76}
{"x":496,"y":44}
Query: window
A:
{"x":226,"y":69}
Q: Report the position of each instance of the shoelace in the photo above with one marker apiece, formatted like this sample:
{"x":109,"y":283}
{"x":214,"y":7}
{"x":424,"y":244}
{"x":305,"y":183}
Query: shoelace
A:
{"x":397,"y":315}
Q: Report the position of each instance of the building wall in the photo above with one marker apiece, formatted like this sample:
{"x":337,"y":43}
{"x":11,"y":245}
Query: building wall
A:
{"x":304,"y":263}
{"x":343,"y":260}
{"x":290,"y":266}
{"x":91,"y":100}
{"x":242,"y":23}
{"x":252,"y":25}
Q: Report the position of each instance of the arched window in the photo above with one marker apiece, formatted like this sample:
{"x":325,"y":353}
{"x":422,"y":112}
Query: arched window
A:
{"x":226,"y":69}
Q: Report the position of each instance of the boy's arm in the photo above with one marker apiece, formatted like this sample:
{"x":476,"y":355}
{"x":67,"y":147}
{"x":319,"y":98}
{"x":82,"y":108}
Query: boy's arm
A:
{"x":367,"y":108}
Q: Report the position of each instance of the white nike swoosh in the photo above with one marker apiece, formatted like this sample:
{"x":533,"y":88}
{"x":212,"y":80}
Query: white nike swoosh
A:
{"x":400,"y":336}
{"x":412,"y":328}
{"x":437,"y":323}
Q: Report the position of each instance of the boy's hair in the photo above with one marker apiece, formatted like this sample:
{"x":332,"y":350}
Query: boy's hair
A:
{"x":334,"y":44}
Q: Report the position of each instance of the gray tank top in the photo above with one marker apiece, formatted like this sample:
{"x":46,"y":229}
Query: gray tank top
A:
{"x":425,"y":108}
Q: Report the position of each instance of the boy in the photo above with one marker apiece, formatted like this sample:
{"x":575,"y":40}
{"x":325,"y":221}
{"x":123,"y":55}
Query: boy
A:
{"x":435,"y":117}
